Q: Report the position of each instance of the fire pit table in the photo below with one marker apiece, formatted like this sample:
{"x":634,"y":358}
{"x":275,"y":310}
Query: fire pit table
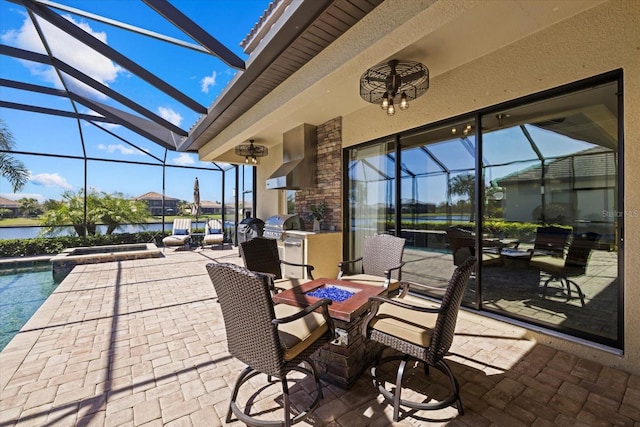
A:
{"x":343,"y":360}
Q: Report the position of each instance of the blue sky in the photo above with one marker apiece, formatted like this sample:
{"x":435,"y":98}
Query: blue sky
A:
{"x":198,"y":75}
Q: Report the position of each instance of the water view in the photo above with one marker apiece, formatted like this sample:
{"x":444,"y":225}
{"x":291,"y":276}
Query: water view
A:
{"x":34,"y":231}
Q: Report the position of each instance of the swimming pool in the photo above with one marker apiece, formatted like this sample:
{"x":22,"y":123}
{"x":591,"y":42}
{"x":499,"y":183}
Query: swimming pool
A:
{"x":21,"y":294}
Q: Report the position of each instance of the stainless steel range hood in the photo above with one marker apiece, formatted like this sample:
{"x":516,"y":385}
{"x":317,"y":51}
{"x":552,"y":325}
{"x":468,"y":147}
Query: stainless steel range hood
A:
{"x":299,"y":160}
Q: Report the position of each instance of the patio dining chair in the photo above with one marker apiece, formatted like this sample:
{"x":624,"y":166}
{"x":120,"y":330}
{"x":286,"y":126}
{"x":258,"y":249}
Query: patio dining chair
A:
{"x":213,"y":233}
{"x":551,"y":241}
{"x":380,"y":264}
{"x":463,"y":245}
{"x":421,"y":331}
{"x":180,"y":233}
{"x":270,"y":339}
{"x":565,"y":269}
{"x":260,"y":254}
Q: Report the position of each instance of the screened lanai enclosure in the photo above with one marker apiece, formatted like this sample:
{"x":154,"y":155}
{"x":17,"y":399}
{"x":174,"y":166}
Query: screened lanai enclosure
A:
{"x":91,"y":113}
{"x":530,"y":188}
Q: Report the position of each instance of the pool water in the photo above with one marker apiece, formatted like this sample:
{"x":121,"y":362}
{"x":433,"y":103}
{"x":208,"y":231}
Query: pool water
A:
{"x":21,"y":294}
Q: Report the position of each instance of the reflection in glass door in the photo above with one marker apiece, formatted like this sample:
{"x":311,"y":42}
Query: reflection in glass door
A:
{"x":550,"y":177}
{"x":370,"y":194}
{"x":535,"y":198}
{"x":437,"y":198}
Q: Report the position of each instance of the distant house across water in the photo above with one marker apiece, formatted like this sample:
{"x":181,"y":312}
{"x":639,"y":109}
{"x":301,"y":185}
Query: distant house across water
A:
{"x":154,"y":201}
{"x":11,"y":205}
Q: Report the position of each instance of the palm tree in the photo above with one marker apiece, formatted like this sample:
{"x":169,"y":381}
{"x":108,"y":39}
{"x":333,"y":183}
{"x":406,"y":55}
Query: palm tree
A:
{"x":117,"y":210}
{"x":465,"y":185}
{"x":113,"y":210}
{"x":28,"y":206}
{"x":11,"y":168}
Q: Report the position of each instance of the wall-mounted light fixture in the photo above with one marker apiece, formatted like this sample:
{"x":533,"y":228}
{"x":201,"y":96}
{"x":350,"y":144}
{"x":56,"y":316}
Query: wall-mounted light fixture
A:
{"x":465,"y":131}
{"x":251,"y":152}
{"x":394,"y":82}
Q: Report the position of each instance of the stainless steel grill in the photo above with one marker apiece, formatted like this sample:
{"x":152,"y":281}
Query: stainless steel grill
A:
{"x":249,"y":228}
{"x":276,"y":225}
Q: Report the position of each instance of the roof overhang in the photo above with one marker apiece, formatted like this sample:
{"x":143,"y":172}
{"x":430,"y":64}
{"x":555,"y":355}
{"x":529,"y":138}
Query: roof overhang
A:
{"x":442,"y":34}
{"x":301,"y":32}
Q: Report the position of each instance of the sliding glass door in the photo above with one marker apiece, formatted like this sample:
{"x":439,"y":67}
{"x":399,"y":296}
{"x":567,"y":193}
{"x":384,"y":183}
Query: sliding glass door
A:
{"x":370,"y":194}
{"x":530,"y":188}
{"x":550,"y":174}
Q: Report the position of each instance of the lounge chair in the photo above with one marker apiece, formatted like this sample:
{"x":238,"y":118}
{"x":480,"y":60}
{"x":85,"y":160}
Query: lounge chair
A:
{"x":180,"y":234}
{"x":213,"y":233}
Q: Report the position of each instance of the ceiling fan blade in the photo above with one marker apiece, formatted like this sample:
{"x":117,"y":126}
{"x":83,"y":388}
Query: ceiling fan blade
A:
{"x":413,"y":76}
{"x":376,"y":79}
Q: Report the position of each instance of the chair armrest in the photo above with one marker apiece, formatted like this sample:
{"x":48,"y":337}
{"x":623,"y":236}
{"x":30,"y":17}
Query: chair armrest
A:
{"x":272,"y":278}
{"x":388,"y":272}
{"x":308,"y":267}
{"x":324,"y":303}
{"x":343,"y":264}
{"x":406,"y":286}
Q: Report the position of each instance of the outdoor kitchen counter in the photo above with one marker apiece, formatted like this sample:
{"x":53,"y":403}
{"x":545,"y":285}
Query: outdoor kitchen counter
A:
{"x":322,"y":249}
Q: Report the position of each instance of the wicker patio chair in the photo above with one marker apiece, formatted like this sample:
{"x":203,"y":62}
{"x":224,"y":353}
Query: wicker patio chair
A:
{"x":260,"y":254}
{"x":422,"y":331}
{"x":380,"y":264}
{"x":213,"y":233}
{"x":180,"y":233}
{"x":563,"y":269}
{"x":463,"y":245}
{"x":272,"y":340}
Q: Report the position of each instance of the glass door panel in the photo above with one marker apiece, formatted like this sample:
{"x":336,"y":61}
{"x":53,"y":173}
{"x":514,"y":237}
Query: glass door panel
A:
{"x":370,"y":194}
{"x":550,"y":173}
{"x":438,"y":201}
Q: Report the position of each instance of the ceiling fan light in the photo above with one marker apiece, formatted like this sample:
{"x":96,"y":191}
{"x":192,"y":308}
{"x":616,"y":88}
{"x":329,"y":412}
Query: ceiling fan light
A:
{"x":381,"y":83}
{"x":404,"y":102}
{"x":251,"y":152}
{"x":385,"y":101}
{"x":391,"y":110}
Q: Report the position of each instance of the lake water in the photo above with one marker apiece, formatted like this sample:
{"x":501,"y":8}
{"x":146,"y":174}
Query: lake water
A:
{"x":31,"y":232}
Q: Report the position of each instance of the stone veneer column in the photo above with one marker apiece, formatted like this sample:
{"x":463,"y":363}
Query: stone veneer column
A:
{"x":329,"y":182}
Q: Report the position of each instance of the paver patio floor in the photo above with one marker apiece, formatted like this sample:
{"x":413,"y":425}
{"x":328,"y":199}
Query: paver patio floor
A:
{"x":142,"y":342}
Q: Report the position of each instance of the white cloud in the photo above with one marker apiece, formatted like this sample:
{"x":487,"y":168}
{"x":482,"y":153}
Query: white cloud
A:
{"x":208,"y":82}
{"x":122,"y":149}
{"x":67,"y":49}
{"x":169,"y":115}
{"x":183,"y":159}
{"x":50,"y":180}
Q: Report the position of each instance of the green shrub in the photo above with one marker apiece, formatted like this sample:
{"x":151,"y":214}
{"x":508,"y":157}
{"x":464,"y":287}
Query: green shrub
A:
{"x":55,"y":245}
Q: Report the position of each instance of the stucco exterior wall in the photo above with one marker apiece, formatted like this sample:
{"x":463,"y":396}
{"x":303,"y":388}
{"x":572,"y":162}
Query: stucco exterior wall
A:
{"x":604,"y":38}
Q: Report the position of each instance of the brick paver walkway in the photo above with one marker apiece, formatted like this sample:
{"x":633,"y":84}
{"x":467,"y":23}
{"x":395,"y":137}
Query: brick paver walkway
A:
{"x":142,"y":343}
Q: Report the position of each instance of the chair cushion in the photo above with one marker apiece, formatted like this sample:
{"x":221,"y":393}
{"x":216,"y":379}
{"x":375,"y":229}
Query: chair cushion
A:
{"x":180,"y":232}
{"x":547,"y":263}
{"x":409,"y":325}
{"x":296,"y":336}
{"x":214,"y":231}
{"x":211,"y":239}
{"x":176,"y":240}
